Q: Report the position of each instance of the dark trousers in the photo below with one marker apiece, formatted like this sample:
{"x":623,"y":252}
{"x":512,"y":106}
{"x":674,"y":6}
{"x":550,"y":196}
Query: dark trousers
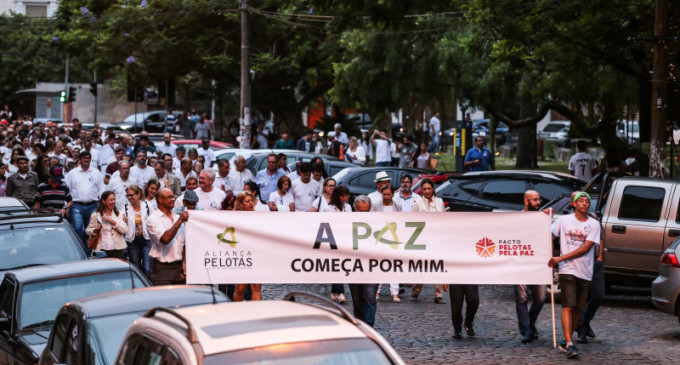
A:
{"x":526,"y":318}
{"x":363,"y":300}
{"x":114,"y":254}
{"x":458,"y":293}
{"x":338,"y":289}
{"x":164,"y":273}
{"x":595,"y":296}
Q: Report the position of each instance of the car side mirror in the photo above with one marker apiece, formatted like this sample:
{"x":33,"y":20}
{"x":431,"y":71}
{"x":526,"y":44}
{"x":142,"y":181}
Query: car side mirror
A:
{"x":98,"y":254}
{"x":5,"y":324}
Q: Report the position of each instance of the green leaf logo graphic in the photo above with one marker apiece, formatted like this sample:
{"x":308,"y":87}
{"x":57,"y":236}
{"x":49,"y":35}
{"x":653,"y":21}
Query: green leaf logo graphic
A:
{"x":223,"y":237}
{"x":392,"y":228}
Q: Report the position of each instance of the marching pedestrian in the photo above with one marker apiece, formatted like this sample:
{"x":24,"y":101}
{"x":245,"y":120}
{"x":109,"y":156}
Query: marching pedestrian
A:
{"x":382,"y":143}
{"x":111,"y":225}
{"x":268,"y":178}
{"x":282,"y":200}
{"x":167,"y":241}
{"x":479,"y":158}
{"x":382,"y":179}
{"x":240,"y":175}
{"x":86,"y":184}
{"x":259,"y":205}
{"x":244,"y":202}
{"x":305,"y":189}
{"x":387,"y":204}
{"x":137,"y":211}
{"x":53,"y":195}
{"x":24,"y":183}
{"x":578,"y":234}
{"x":140,"y":171}
{"x":209,"y":198}
{"x":363,"y":295}
{"x":323,"y":200}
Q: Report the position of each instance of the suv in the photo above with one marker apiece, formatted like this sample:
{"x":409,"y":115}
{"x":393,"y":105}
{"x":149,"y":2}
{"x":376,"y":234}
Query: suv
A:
{"x":37,"y":239}
{"x":151,"y":121}
{"x":269,"y":331}
{"x":503,"y":190}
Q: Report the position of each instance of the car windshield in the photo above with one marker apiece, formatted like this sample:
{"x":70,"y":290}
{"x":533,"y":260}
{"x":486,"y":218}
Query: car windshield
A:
{"x":109,"y":332}
{"x":330,"y":352}
{"x":342,"y":173}
{"x":38,"y":245}
{"x":554,"y":127}
{"x":40,"y":301}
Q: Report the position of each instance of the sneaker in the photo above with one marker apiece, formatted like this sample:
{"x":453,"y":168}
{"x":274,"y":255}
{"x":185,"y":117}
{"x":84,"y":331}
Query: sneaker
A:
{"x":582,"y":338}
{"x":377,"y":296}
{"x":563,"y":346}
{"x":589,"y":331}
{"x":534,"y":332}
{"x":413,"y":298}
{"x":396,"y":299}
{"x":341,"y":298}
{"x":572,"y":352}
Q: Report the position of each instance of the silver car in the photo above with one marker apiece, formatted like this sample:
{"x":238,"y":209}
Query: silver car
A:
{"x":666,"y":287}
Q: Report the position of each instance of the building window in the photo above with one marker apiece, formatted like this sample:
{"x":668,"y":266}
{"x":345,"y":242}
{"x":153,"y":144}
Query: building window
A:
{"x":36,"y":11}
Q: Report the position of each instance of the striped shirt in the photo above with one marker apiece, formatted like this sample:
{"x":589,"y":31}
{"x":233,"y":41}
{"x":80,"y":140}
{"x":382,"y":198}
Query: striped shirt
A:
{"x":52,"y":197}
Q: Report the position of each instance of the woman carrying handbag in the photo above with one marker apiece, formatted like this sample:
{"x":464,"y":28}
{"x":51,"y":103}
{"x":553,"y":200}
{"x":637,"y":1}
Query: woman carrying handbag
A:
{"x":138,"y":241}
{"x":110,"y":225}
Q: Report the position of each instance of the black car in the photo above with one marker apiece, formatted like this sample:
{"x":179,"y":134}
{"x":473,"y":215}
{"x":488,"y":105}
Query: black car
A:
{"x":96,"y":325}
{"x":361,"y":180}
{"x":258,"y":160}
{"x":503,"y":190}
{"x":31,"y":297}
{"x":331,"y":167}
{"x":37,"y":239}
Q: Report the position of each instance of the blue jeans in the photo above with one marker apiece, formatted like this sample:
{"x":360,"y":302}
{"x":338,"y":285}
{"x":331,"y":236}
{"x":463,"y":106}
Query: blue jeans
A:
{"x":138,"y":251}
{"x":595,"y":296}
{"x":363,"y":300}
{"x":80,"y":218}
{"x":383,"y":163}
{"x":527,"y":318}
{"x":434,"y":145}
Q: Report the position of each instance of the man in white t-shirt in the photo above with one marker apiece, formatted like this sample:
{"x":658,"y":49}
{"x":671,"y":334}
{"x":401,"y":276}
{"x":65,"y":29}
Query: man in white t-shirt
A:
{"x":435,"y":127}
{"x":206,"y":152}
{"x":578,"y":235}
{"x":382,"y":142}
{"x":582,"y":165}
{"x":209,"y":198}
{"x":140,"y":171}
{"x":304,"y":189}
{"x":222,"y":179}
{"x":381,"y":179}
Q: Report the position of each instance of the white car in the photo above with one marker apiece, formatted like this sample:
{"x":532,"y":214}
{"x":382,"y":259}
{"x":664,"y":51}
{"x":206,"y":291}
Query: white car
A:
{"x":261,"y":332}
{"x":231,"y":153}
{"x":557,"y":131}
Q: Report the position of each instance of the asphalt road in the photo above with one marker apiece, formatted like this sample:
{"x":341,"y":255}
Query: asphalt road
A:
{"x":629,"y":330}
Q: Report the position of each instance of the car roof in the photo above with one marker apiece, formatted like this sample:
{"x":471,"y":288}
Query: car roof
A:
{"x":522,"y":173}
{"x":29,"y":220}
{"x":262,"y":323}
{"x":41,"y":272}
{"x":11,"y":203}
{"x":142,"y":299}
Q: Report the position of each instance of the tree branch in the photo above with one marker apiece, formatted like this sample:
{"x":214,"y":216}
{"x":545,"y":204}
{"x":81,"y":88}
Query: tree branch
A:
{"x":519,"y":122}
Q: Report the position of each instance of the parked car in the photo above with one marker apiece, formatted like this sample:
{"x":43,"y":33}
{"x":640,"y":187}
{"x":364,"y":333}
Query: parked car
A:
{"x":31,"y":297}
{"x":438,"y":179}
{"x":37,"y":239}
{"x":258,"y":160}
{"x":629,"y":131}
{"x":666,"y":287}
{"x":265,"y":332}
{"x":561,"y":205}
{"x":151,"y":121}
{"x":196,"y":143}
{"x":504,"y":189}
{"x":158,"y":138}
{"x":331,"y":167}
{"x":361,"y":180}
{"x":13,"y":206}
{"x":557,"y":131}
{"x":100,"y":322}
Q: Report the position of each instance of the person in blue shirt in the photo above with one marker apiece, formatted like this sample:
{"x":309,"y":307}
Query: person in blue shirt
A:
{"x":268,"y":178}
{"x":479,"y":158}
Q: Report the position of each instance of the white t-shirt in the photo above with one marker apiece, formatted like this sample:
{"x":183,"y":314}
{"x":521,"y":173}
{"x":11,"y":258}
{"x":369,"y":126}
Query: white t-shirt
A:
{"x":304,"y":194}
{"x":223,"y":183}
{"x":320,"y":203}
{"x":333,"y":208}
{"x":282,"y":202}
{"x":382,"y":150}
{"x":582,"y":164}
{"x":208,"y":154}
{"x":573,"y":234}
{"x":210,"y":201}
{"x":435,"y":124}
{"x":142,"y":175}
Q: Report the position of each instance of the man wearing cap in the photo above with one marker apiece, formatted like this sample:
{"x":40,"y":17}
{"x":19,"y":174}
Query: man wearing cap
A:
{"x":340,"y":136}
{"x":53,"y":195}
{"x":578,"y":234}
{"x":189,"y":202}
{"x":24,"y":184}
{"x":381,"y":179}
{"x":86,"y":185}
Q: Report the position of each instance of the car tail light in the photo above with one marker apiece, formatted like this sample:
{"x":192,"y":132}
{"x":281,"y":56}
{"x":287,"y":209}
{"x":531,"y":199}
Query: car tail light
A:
{"x":670,"y":259}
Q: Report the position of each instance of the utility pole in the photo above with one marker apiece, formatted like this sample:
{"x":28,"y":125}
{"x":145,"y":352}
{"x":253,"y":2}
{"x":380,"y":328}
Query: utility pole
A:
{"x":244,"y":116}
{"x":657,"y":154}
{"x":64,"y":106}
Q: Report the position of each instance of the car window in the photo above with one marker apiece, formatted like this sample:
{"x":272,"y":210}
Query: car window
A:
{"x":507,"y":191}
{"x":366,"y":180}
{"x":549,"y":191}
{"x":149,"y":352}
{"x":335,"y":169}
{"x":328,"y":352}
{"x":72,"y":344}
{"x":641,"y":203}
{"x":59,"y":336}
{"x":170,"y":357}
{"x":472,"y":187}
{"x":38,"y":245}
{"x":109,"y":332}
{"x":40,"y":301}
{"x":93,"y":352}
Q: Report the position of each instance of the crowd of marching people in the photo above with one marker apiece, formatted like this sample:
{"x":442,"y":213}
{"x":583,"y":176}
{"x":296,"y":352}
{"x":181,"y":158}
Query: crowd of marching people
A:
{"x":131,"y":199}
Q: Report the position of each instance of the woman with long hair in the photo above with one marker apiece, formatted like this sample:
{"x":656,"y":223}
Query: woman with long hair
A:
{"x":323,"y":200}
{"x":138,"y":240}
{"x":150,"y":191}
{"x":421,"y":158}
{"x":111,"y":224}
{"x":254,"y":189}
{"x":16,"y":152}
{"x":355,"y":153}
{"x":42,"y":168}
{"x":388,"y":205}
{"x":198,"y":167}
{"x":244,"y":202}
{"x":339,"y":200}
{"x":282,"y":200}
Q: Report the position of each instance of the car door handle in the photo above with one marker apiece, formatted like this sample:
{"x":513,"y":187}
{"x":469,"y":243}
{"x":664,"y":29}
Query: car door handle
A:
{"x":618,"y":229}
{"x":674,"y":233}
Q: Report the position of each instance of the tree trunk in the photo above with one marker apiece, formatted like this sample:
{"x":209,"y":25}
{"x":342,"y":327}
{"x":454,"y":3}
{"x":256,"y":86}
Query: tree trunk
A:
{"x":526,"y":143}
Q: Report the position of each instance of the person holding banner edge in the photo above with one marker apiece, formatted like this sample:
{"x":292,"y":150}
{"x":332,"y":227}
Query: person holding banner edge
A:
{"x":167,"y":241}
{"x":527,"y":318}
{"x":578,"y":235}
{"x":363,"y":295}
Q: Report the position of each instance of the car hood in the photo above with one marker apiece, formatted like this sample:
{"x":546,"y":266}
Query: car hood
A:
{"x":36,"y":340}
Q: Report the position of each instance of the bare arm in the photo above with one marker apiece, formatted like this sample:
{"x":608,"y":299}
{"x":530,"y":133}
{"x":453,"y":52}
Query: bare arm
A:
{"x":170,"y":233}
{"x":573,"y":254}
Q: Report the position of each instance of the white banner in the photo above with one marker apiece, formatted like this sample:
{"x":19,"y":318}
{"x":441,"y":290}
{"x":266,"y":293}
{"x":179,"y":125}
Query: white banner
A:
{"x":428,"y":248}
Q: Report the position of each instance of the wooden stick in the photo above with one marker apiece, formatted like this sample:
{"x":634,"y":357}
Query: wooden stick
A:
{"x":552,"y":304}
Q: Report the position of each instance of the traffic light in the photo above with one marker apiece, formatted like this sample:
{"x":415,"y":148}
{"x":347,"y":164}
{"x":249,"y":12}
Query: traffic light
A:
{"x":71,"y":94}
{"x":62,"y":96}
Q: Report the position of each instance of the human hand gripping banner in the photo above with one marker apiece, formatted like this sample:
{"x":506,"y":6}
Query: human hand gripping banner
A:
{"x":372,"y":247}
